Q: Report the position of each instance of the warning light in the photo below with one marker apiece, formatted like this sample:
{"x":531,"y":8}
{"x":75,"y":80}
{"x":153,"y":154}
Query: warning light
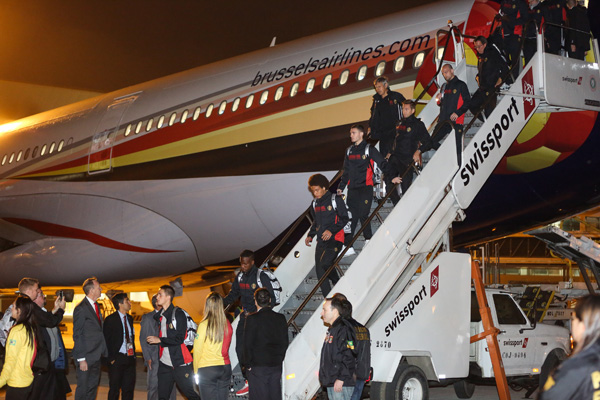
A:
{"x":536,"y":370}
{"x":290,"y":376}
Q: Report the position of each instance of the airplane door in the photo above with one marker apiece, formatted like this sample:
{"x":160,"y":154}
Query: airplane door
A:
{"x":100,"y":155}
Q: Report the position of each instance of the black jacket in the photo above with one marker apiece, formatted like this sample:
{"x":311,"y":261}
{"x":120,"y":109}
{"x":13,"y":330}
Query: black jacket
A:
{"x":362,"y":348}
{"x":175,"y":336}
{"x":358,"y":167}
{"x":327,"y":217}
{"x":573,"y":379}
{"x":385,"y":114}
{"x":539,"y":14}
{"x":337,"y":358}
{"x":113,"y":334}
{"x":411,"y":135}
{"x":491,"y":66}
{"x":578,"y":19}
{"x":456,"y":98}
{"x":265,"y":338}
{"x":244,"y":286}
{"x":514,"y":16}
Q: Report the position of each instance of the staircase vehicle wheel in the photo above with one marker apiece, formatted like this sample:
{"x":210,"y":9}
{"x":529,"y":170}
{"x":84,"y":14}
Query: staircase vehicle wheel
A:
{"x":409,"y":383}
{"x":464,"y":389}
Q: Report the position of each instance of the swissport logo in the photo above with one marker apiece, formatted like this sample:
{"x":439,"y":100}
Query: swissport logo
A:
{"x":434,"y":281}
{"x":528,"y":88}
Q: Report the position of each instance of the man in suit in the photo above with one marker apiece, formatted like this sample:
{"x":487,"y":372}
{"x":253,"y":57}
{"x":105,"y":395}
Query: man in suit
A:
{"x":265,"y":343}
{"x":149,"y":327}
{"x":88,"y":341}
{"x":120,"y":343}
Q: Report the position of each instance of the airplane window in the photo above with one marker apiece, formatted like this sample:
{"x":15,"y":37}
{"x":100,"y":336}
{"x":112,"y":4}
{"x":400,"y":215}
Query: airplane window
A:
{"x":222,"y":107}
{"x":43,"y":151}
{"x":209,"y":110}
{"x":128,"y":130}
{"x":249,"y":101}
{"x":4,"y":159}
{"x":34,"y":152}
{"x":380,"y":68}
{"x":399,"y":64}
{"x":160,"y":122}
{"x":362,"y":72}
{"x":138,"y":127}
{"x":310,"y":85}
{"x":279,"y":93}
{"x":12,"y":157}
{"x":149,"y":124}
{"x":236,"y":104}
{"x":419,"y":58}
{"x":263,"y":97}
{"x":60,"y":146}
{"x":26,"y":156}
{"x":184,"y":116}
{"x":294,"y":89}
{"x":52,"y":147}
{"x":172,"y":119}
{"x":19,"y":156}
{"x":197,"y":113}
{"x":326,"y":81}
{"x":344,"y":77}
{"x":70,"y":141}
{"x":440,"y":53}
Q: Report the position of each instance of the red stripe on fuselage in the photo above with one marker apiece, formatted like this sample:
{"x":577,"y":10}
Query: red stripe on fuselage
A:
{"x":49,"y":229}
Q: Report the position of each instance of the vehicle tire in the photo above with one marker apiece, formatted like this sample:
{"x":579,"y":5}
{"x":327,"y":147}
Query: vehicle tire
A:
{"x":409,"y":383}
{"x":552,"y":361}
{"x":464,"y":389}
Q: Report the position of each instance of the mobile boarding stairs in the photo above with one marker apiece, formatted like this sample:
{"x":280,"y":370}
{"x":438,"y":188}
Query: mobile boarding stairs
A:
{"x":413,"y":233}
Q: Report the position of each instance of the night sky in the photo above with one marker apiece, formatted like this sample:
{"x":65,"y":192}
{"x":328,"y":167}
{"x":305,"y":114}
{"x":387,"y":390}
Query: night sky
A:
{"x":105,"y":45}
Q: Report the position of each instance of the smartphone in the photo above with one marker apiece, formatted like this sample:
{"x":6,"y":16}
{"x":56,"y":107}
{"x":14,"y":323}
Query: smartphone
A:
{"x":60,"y":293}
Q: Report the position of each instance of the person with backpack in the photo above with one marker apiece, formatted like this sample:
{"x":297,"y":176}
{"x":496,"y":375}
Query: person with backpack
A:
{"x":211,"y":350}
{"x":265,"y":343}
{"x":17,"y":371}
{"x":361,"y":340}
{"x":175,"y":360}
{"x":243,"y":287}
{"x":329,"y":218}
{"x":359,"y":170}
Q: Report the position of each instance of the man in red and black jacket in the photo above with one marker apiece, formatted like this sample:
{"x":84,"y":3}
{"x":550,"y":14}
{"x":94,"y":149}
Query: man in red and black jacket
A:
{"x":514,"y":15}
{"x":329,"y":218}
{"x":175,"y":364}
{"x":385,"y":114}
{"x":358,"y":177}
{"x":454,"y":101}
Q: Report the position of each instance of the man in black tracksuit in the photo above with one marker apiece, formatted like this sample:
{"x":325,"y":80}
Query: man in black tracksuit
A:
{"x":385,"y":114}
{"x":557,"y":14}
{"x":243,"y":288}
{"x":538,"y":13}
{"x":338,"y":364}
{"x":412,"y":139}
{"x":329,"y":219}
{"x":514,"y":16}
{"x":492,"y":68}
{"x":358,"y":176}
{"x":577,"y":43}
{"x":175,"y":364}
{"x":454,"y":103}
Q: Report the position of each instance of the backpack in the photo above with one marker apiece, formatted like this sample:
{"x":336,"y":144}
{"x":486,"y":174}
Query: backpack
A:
{"x":40,"y":363}
{"x":361,"y":341}
{"x":277,"y":289}
{"x":190,"y":333}
{"x":376,"y":170}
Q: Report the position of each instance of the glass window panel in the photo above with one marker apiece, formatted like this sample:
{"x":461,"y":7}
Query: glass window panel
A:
{"x":4,"y":159}
{"x":380,"y":69}
{"x":197,"y":113}
{"x":294,"y":89}
{"x":26,"y":156}
{"x":507,"y":310}
{"x":60,"y":145}
{"x":12,"y":157}
{"x":128,"y":130}
{"x":362,"y":72}
{"x":326,"y":81}
{"x":236,"y":104}
{"x":279,"y":93}
{"x":264,"y":96}
{"x":138,"y":127}
{"x":34,"y":152}
{"x":398,"y":64}
{"x":222,"y":107}
{"x":43,"y":151}
{"x":344,"y":77}
{"x":172,"y":119}
{"x":160,"y":122}
{"x":52,"y":147}
{"x":184,"y":116}
{"x":310,"y":85}
{"x":419,"y":58}
{"x":19,"y":155}
{"x":149,"y":124}
{"x":209,"y":110}
{"x":249,"y":101}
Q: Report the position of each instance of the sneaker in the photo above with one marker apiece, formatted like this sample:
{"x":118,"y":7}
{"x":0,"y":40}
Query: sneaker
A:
{"x":367,"y":242}
{"x":350,"y":252}
{"x":243,"y":391}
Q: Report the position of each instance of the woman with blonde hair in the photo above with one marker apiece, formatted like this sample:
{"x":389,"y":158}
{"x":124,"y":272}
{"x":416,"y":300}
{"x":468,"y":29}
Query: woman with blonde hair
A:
{"x":20,"y":351}
{"x":211,"y":350}
{"x":578,"y":377}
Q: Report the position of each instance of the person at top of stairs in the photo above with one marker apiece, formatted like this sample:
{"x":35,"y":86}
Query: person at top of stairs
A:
{"x":329,"y":218}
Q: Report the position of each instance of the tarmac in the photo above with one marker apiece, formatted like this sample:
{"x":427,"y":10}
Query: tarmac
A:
{"x":447,"y":393}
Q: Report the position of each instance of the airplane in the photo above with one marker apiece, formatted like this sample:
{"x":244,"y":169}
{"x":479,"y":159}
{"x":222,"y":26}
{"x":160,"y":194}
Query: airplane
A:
{"x":186,"y":171}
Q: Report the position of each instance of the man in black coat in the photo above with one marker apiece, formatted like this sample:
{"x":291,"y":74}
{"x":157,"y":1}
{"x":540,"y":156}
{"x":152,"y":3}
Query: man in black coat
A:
{"x":412,"y":139}
{"x":120,"y":342}
{"x":265,"y":342}
{"x":577,"y":42}
{"x":454,"y":99}
{"x":385,"y":114}
{"x":492,"y":68}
